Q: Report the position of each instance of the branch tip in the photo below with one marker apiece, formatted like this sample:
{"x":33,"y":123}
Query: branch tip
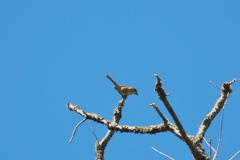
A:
{"x":152,"y":105}
{"x":234,"y":155}
{"x":75,"y":129}
{"x":215,"y":85}
{"x":72,"y":107}
{"x":234,"y":80}
{"x":162,"y":153}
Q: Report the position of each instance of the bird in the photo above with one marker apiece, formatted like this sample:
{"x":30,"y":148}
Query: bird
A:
{"x":123,"y":90}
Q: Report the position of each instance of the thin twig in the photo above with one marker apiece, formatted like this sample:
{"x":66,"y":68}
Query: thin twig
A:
{"x":165,"y":120}
{"x":220,"y":136}
{"x":234,"y":155}
{"x":210,"y":146}
{"x":210,"y":150}
{"x":75,"y":129}
{"x":162,"y":153}
{"x":94,"y":132}
{"x":234,"y":80}
{"x":215,"y":85}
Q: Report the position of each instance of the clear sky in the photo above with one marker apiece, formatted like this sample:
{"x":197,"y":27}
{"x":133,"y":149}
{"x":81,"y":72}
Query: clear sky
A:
{"x":55,"y":52}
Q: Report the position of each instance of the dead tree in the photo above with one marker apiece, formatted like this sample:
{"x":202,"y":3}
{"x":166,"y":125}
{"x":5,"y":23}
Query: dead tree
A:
{"x":194,"y":143}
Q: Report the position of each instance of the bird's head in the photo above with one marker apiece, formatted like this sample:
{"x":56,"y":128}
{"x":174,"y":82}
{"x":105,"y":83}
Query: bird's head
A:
{"x":132,"y":91}
{"x":135,"y":91}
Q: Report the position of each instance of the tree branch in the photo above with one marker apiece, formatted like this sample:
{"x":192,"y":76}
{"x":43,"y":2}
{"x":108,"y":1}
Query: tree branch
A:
{"x":220,"y":136}
{"x":94,"y":132}
{"x":153,"y":129}
{"x":163,"y":97}
{"x":170,"y":126}
{"x":90,"y":116}
{"x":226,"y":89}
{"x":234,"y":155}
{"x":117,"y":115}
{"x":194,"y":143}
{"x":75,"y":129}
{"x":164,"y":119}
{"x":162,"y":153}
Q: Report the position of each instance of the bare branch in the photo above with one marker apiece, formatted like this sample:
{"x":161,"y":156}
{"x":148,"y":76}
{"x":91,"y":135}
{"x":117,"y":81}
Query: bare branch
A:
{"x":75,"y":129}
{"x":210,"y":145}
{"x":165,"y":120}
{"x":71,"y":107}
{"x":215,"y":85}
{"x":94,"y":132}
{"x":162,"y":153}
{"x":220,"y":136}
{"x":234,"y":155}
{"x":91,"y":116}
{"x":210,"y":148}
{"x":194,"y":143}
{"x":225,"y":93}
{"x":162,"y":96}
{"x":134,"y":129}
{"x":234,"y":80}
{"x":117,"y":115}
{"x":170,"y":126}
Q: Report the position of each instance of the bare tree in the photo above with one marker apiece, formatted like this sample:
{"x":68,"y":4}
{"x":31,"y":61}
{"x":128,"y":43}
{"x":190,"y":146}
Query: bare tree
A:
{"x":194,"y":143}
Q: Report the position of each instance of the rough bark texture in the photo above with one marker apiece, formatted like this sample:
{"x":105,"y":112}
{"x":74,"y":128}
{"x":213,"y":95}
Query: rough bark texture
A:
{"x":193,"y":142}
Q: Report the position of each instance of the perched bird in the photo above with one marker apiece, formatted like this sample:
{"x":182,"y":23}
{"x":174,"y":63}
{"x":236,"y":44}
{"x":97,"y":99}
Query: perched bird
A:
{"x":123,"y":90}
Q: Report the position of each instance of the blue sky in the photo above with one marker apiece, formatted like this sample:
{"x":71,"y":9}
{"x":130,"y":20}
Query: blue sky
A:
{"x":55,"y":52}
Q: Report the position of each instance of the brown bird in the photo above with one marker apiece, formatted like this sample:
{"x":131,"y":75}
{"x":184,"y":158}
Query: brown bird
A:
{"x":123,"y":90}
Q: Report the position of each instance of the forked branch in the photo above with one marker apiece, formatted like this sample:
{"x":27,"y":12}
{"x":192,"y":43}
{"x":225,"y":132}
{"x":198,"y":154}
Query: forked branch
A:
{"x":163,"y":97}
{"x":226,"y":90}
{"x":194,"y":143}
